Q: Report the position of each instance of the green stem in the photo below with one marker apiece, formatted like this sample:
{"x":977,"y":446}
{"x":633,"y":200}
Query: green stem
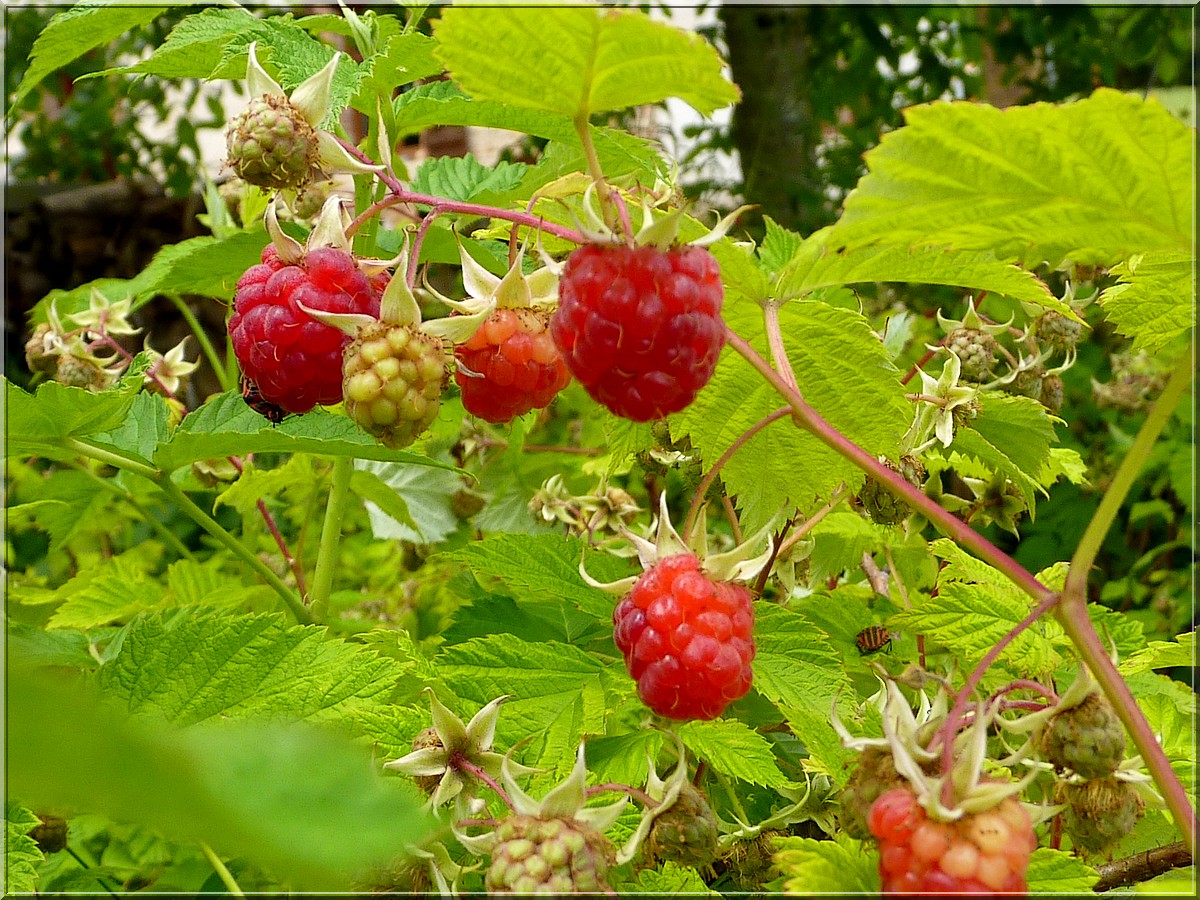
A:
{"x":206,"y":345}
{"x":1122,"y":482}
{"x":331,"y":534}
{"x":226,"y":876}
{"x":111,"y":458}
{"x":584,"y":130}
{"x":236,"y":547}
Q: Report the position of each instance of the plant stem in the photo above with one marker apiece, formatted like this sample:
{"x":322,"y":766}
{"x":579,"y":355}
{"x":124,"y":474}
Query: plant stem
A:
{"x":584,"y":130}
{"x":711,"y":475}
{"x":206,"y":345}
{"x":111,"y":458}
{"x":162,"y":530}
{"x":269,"y":520}
{"x":1126,"y":474}
{"x":331,"y":534}
{"x":637,"y":793}
{"x":226,"y":876}
{"x":811,"y":522}
{"x":775,"y":342}
{"x":236,"y":547}
{"x":463,"y":764}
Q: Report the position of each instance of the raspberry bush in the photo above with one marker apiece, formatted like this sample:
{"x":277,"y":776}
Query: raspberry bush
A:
{"x":529,"y":526}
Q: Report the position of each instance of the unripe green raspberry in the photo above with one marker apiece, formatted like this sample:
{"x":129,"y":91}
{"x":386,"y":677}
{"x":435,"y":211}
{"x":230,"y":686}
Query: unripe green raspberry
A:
{"x":976,"y":351}
{"x":1088,"y":739}
{"x":883,"y":506}
{"x":37,"y":355}
{"x":1100,"y":812}
{"x":393,"y":378}
{"x":1027,"y":383}
{"x":77,"y":371}
{"x":687,"y":832}
{"x":548,"y":856}
{"x":272,"y":145}
{"x":874,"y":774}
{"x":1057,"y":331}
{"x":1052,"y":393}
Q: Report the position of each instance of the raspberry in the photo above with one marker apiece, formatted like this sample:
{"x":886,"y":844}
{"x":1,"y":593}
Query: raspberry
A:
{"x":394,"y":376}
{"x":687,"y":832}
{"x":536,"y":855}
{"x":1100,"y":812}
{"x":1052,"y":393}
{"x":509,"y":366}
{"x":874,"y":773}
{"x":39,"y":355}
{"x":426,"y":740}
{"x":272,"y":145}
{"x":880,"y":503}
{"x":688,"y":641}
{"x":1088,"y":739}
{"x":292,"y":359}
{"x":976,"y":351}
{"x":982,"y":853}
{"x":1057,"y":331}
{"x":1028,"y":383}
{"x":640,"y":328}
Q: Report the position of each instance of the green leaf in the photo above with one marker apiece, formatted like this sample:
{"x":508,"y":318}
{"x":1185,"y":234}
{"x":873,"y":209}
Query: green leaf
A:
{"x":405,"y":58}
{"x":670,"y":879}
{"x":407,"y":502}
{"x":835,"y":355}
{"x":839,"y":542}
{"x":1153,"y":301}
{"x":68,"y":503}
{"x":303,"y":801}
{"x":296,"y":478}
{"x":195,"y":47}
{"x":75,"y":31}
{"x":541,"y":568}
{"x":189,"y":669}
{"x":226,"y":426}
{"x":143,"y":429}
{"x":1177,"y":881}
{"x":1095,"y":181}
{"x":442,"y":103}
{"x":191,"y":583}
{"x":623,"y":758}
{"x":1162,"y":655}
{"x":464,"y":178}
{"x":21,"y":853}
{"x":1010,"y":435}
{"x":733,"y":748}
{"x":115,"y":590}
{"x":588,"y":59}
{"x":840,"y":866}
{"x":824,"y":260}
{"x":1173,"y":726}
{"x":202,"y":265}
{"x":544,"y":681}
{"x":495,"y":614}
{"x":1056,"y":872}
{"x":39,"y":424}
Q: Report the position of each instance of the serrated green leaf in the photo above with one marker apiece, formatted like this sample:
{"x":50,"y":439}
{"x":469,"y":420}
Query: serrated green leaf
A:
{"x":35,"y":647}
{"x":733,"y":748}
{"x":144,"y":428}
{"x":840,"y":866}
{"x":541,"y":568}
{"x":203,"y":265}
{"x":1056,"y":872}
{"x":192,"y":583}
{"x":192,"y":669}
{"x":823,"y":261}
{"x":1177,"y":881}
{"x":1010,"y":435}
{"x":961,"y":566}
{"x":1162,"y":655}
{"x":295,"y":477}
{"x":835,"y":355}
{"x":1095,"y":181}
{"x":442,"y":103}
{"x":464,"y":178}
{"x":302,"y":801}
{"x":543,"y":681}
{"x":69,"y":503}
{"x":622,"y":758}
{"x":39,"y":424}
{"x":226,"y":426}
{"x":407,"y":502}
{"x":670,"y":879}
{"x":405,"y":58}
{"x":1118,"y":629}
{"x":588,"y":59}
{"x":21,"y":853}
{"x":797,"y":669}
{"x":1174,"y":728}
{"x":117,"y":589}
{"x":1154,"y":299}
{"x":194,"y":48}
{"x":495,"y":614}
{"x":839,"y":542}
{"x":779,"y":246}
{"x":970,"y":619}
{"x":75,"y":31}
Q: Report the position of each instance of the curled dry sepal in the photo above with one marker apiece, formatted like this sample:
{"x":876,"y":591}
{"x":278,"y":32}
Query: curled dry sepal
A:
{"x":458,"y":743}
{"x":276,"y":142}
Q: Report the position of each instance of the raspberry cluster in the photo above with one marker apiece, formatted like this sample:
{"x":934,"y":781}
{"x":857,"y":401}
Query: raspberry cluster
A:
{"x":982,"y":853}
{"x":640,"y":328}
{"x":536,"y":855}
{"x":688,"y":641}
{"x":509,"y":366}
{"x":294,"y":361}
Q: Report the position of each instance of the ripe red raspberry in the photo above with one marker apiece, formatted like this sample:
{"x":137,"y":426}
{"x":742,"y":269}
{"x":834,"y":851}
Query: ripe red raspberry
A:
{"x":981,"y":853}
{"x":509,"y":366}
{"x":688,"y":641}
{"x":294,"y":360}
{"x":640,"y":328}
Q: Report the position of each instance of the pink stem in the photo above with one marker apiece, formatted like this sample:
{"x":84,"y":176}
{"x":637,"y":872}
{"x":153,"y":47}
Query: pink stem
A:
{"x":458,"y":761}
{"x":297,"y":571}
{"x":641,"y":796}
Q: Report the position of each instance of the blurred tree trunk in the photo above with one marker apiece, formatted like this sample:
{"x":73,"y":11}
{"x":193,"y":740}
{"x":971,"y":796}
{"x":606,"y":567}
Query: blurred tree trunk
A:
{"x":774,"y":130}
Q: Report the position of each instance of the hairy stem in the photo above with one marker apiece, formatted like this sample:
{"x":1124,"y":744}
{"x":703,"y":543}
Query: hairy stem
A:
{"x":236,"y":547}
{"x":222,"y":871}
{"x":637,"y":793}
{"x":112,"y":458}
{"x":331,"y":535}
{"x":711,"y":475}
{"x":206,"y":344}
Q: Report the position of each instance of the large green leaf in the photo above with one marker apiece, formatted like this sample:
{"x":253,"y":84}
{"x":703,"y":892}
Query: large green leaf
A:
{"x":578,"y":60}
{"x":1154,"y":299}
{"x":195,"y":46}
{"x":405,"y":58}
{"x":840,"y":866}
{"x":202,"y":265}
{"x":40,"y":424}
{"x":290,"y":797}
{"x":734,"y":748}
{"x":21,"y":853}
{"x":1093,"y":181}
{"x":75,"y":31}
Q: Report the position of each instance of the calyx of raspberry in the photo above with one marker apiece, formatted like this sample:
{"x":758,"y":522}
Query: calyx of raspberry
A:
{"x":743,"y":563}
{"x":275,"y":143}
{"x":665,"y":792}
{"x":972,"y":321}
{"x":455,"y":743}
